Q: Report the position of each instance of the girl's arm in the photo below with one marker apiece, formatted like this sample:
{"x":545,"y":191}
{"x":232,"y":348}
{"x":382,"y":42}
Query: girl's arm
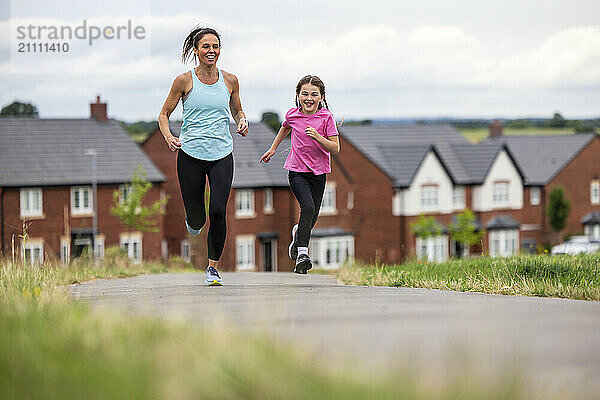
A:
{"x":283,"y":132}
{"x":177,"y":89}
{"x":331,"y":144}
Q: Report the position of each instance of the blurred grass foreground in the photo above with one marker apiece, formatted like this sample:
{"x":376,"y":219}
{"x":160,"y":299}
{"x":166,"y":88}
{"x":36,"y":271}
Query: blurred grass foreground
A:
{"x":52,"y":347}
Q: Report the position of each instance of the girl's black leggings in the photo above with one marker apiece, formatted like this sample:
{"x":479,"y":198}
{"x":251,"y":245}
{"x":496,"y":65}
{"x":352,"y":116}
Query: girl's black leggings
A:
{"x":308,"y":189}
{"x":192,"y":174}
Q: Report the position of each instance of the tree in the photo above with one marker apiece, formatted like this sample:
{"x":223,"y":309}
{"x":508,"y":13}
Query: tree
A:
{"x":558,"y":209}
{"x":557,"y":121}
{"x":271,"y":119}
{"x":128,"y":204}
{"x":464,"y":230}
{"x":17,"y":109}
{"x":425,"y":227}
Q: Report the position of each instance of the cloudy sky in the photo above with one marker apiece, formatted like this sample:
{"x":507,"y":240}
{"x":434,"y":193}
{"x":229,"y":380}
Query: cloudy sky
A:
{"x":378,"y":58}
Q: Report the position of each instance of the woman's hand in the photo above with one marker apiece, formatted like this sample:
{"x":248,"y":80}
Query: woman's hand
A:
{"x":267,"y":156}
{"x":242,"y":127}
{"x":173,"y":142}
{"x":312,"y":132}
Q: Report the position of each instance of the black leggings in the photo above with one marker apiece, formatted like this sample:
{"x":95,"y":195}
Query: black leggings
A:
{"x":308,"y":189}
{"x":192,"y":179}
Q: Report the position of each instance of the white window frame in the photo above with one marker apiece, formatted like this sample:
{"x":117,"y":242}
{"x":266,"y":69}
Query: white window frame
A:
{"x":31,"y":202}
{"x":592,"y":231}
{"x":128,"y":242}
{"x":535,"y":196}
{"x":500,"y":194}
{"x":245,"y":253}
{"x":595,"y":192}
{"x":244,"y":203}
{"x":186,"y":253}
{"x":35,"y":247}
{"x":124,"y":192}
{"x":429,"y":197}
{"x":504,"y":243}
{"x":332,"y":251}
{"x":268,"y":201}
{"x":328,"y":202}
{"x":433,"y":248}
{"x":65,"y":250}
{"x":99,"y":246}
{"x":79,"y":209}
{"x":350,"y":203}
{"x":458,"y":197}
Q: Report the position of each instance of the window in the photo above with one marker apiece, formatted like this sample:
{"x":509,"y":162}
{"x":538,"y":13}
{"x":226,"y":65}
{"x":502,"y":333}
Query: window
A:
{"x":65,"y":250}
{"x":33,"y":251}
{"x":244,"y":253}
{"x":592,"y":231}
{"x":331,"y":252}
{"x":31,"y":202}
{"x":132,"y":244}
{"x":244,"y":203}
{"x":268,"y":200}
{"x":500,"y":194}
{"x":429,"y":197}
{"x":504,"y":243}
{"x":328,"y":203}
{"x":534,"y":196}
{"x":458,"y":197}
{"x":99,"y":247}
{"x":595,"y":192}
{"x":185,"y":250}
{"x":434,"y":248}
{"x":350,"y":204}
{"x":81,"y":200}
{"x":124,"y":192}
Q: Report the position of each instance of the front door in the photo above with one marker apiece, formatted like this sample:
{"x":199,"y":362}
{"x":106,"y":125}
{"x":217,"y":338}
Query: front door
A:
{"x":268,"y":255}
{"x":82,"y":244}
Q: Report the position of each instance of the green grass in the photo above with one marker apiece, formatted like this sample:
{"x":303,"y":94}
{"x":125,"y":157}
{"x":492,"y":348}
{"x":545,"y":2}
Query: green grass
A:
{"x":53,"y":347}
{"x":476,"y":135}
{"x":573,"y":277}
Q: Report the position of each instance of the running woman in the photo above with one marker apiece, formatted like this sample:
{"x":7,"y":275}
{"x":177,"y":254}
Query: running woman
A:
{"x":205,"y":144}
{"x":314,"y":136}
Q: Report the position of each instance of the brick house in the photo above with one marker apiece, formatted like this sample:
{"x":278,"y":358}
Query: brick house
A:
{"x":570,"y":161}
{"x":46,"y":185}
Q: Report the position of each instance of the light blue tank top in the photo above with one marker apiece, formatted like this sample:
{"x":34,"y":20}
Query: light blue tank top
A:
{"x":205,"y":129}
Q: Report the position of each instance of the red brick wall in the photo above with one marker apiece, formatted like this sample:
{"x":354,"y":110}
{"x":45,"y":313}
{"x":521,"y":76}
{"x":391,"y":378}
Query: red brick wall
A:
{"x":52,"y":225}
{"x":174,"y":226}
{"x":575,"y":178}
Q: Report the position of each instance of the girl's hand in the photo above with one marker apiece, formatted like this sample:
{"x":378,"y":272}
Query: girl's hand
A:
{"x":312,"y":132}
{"x":173,"y":143}
{"x":242,"y":127}
{"x":267,"y":156}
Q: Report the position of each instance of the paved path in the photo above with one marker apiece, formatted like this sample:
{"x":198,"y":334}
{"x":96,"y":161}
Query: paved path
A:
{"x":554,"y":342}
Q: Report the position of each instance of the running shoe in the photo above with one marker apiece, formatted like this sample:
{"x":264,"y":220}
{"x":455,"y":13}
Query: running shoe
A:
{"x":303,"y":264}
{"x":192,"y":230}
{"x":293,"y":249}
{"x":212,"y":277}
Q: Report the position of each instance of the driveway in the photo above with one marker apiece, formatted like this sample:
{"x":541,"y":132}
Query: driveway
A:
{"x":553,"y":343}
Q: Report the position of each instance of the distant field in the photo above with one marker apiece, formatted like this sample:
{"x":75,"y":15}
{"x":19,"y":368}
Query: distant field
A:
{"x":478,"y":134}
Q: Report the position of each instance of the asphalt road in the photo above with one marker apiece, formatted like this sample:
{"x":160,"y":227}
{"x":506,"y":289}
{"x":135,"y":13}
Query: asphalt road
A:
{"x":553,"y":343}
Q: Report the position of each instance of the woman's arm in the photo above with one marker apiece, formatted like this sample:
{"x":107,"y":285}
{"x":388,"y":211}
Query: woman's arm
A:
{"x":331,"y":144}
{"x":235,"y":104}
{"x":177,"y":89}
{"x":283,"y":132}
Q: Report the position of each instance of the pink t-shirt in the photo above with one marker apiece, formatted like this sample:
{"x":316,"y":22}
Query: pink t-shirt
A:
{"x":307,"y":155}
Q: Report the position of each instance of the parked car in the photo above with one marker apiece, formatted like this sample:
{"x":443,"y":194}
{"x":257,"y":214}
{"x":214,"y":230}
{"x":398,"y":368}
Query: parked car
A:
{"x":577,"y":245}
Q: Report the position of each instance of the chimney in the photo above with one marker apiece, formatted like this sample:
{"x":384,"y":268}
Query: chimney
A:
{"x":496,"y":129}
{"x":98,"y":110}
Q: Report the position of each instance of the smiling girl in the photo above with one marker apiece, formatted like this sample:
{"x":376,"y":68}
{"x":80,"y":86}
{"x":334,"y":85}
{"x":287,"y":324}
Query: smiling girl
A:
{"x":314,"y":137}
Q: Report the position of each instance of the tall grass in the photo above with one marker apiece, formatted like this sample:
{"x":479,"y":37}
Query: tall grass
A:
{"x":52,"y":347}
{"x":573,"y":277}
